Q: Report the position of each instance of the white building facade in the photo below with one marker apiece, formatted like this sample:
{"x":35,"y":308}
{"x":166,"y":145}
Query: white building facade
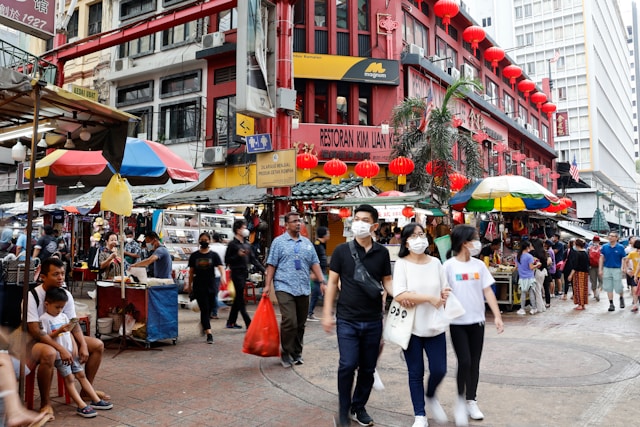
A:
{"x":591,"y":87}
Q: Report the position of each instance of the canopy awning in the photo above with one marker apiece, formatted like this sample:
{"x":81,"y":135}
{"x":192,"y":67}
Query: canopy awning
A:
{"x":242,"y":194}
{"x":576,"y":230}
{"x":409,"y":199}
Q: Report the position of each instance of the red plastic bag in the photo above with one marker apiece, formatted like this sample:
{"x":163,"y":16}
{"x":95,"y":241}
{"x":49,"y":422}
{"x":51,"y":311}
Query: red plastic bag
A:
{"x":263,"y":336}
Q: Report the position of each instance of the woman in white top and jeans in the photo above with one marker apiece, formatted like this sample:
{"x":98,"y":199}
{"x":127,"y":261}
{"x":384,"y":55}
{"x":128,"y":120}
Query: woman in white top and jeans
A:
{"x":470,"y":282}
{"x":420,"y":279}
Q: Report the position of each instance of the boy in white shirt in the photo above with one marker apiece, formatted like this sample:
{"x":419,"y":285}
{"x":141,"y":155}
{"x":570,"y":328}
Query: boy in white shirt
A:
{"x":58,"y":326}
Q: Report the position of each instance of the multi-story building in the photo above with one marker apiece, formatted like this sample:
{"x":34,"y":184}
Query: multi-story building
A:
{"x":630,"y":16}
{"x":580,"y":50}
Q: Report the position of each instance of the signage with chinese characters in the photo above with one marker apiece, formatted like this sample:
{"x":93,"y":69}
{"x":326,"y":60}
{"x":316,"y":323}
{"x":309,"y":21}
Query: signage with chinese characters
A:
{"x":35,"y":17}
{"x":276,"y":169}
{"x":347,"y":143}
{"x":562,"y":124}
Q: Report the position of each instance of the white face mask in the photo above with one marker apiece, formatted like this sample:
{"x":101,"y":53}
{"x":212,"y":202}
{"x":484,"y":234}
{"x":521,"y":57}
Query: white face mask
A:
{"x":361,"y":229}
{"x":476,"y":248}
{"x":129,"y":239}
{"x":150,"y":246}
{"x":418,"y":245}
{"x":245,"y":232}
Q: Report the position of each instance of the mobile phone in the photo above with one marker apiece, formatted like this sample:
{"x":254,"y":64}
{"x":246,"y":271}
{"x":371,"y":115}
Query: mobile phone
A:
{"x":73,"y":321}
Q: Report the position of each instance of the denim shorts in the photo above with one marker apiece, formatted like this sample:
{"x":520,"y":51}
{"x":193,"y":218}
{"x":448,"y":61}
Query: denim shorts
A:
{"x":66,"y":370}
{"x":612,"y":280}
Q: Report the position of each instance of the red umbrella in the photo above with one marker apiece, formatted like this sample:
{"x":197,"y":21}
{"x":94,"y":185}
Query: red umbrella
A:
{"x":391,"y":193}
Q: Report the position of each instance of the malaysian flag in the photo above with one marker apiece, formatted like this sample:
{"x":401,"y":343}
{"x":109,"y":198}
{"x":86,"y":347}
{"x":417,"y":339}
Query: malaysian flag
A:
{"x":555,"y":58}
{"x":424,"y":121}
{"x":573,"y":170}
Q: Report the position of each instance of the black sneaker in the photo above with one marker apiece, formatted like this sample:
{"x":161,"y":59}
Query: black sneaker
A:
{"x":286,"y":361}
{"x":611,"y":307}
{"x":361,"y":417}
{"x":297,"y":360}
{"x":209,"y":339}
{"x":621,"y":302}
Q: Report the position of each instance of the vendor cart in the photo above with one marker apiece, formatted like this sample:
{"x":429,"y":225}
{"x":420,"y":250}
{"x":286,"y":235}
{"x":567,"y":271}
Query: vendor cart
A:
{"x":155,"y":306}
{"x":505,"y":292}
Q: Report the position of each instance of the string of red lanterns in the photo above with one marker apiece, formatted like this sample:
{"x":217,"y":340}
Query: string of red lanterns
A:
{"x":401,"y":166}
{"x":494,"y":54}
{"x":474,"y":35}
{"x":512,"y":72}
{"x":344,"y":213}
{"x":518,"y":156}
{"x":306,"y":162}
{"x":538,"y":98}
{"x":549,"y":108}
{"x":408,"y":212}
{"x":366,"y":169}
{"x":526,"y":86}
{"x":457,"y":181}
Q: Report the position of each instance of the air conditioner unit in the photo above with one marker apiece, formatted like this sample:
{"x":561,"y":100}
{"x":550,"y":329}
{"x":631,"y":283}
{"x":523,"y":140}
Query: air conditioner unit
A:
{"x":213,"y":40}
{"x":123,"y":64}
{"x":455,"y":73}
{"x":467,"y":71}
{"x":214,"y":155}
{"x":536,"y":133}
{"x":416,"y":50}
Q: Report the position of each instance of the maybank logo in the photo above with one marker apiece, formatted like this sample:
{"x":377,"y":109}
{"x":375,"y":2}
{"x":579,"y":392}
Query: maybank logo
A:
{"x":375,"y":70}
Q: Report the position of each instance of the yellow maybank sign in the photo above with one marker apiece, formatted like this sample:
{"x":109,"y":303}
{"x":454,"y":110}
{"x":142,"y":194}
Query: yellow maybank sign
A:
{"x":346,"y":68}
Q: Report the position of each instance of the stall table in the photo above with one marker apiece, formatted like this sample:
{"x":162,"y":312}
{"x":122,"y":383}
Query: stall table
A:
{"x":505,"y":291}
{"x":154,"y":305}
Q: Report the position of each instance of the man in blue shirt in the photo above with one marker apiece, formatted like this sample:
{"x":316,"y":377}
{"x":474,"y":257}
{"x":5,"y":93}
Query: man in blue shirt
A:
{"x":160,"y":258}
{"x":291,"y":257}
{"x":610,"y":269}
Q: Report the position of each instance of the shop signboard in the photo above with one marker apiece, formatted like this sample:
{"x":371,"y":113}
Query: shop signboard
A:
{"x":35,"y":17}
{"x":346,"y":68}
{"x":345,"y":142}
{"x":276,"y":169}
{"x":244,"y":125}
{"x":83,"y":91}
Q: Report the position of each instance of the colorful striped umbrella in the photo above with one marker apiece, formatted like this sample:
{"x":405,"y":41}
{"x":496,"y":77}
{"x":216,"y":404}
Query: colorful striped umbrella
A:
{"x":506,"y":193}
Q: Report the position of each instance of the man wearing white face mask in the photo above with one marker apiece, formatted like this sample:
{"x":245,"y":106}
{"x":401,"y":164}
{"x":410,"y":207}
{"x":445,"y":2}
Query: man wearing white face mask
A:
{"x":358,"y":313}
{"x":160,"y":257}
{"x":131,"y":249}
{"x":238,"y":257}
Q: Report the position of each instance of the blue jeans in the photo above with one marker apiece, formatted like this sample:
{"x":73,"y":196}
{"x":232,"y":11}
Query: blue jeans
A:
{"x":359,"y":347}
{"x":436,"y":350}
{"x":315,"y":296}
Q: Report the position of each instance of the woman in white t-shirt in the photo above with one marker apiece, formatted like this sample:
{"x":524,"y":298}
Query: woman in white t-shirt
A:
{"x":420,"y":279}
{"x":471,"y":282}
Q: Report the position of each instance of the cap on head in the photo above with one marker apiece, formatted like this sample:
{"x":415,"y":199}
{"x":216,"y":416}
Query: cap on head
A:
{"x":596,"y":238}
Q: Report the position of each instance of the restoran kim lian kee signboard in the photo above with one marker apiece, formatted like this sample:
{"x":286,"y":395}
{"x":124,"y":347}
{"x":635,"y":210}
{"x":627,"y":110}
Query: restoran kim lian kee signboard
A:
{"x":347,"y":143}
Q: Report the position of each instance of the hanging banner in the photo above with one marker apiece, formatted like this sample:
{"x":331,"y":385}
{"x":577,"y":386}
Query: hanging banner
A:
{"x":562,"y":124}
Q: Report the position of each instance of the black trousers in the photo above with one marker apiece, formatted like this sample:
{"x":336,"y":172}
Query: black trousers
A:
{"x":239,"y":278}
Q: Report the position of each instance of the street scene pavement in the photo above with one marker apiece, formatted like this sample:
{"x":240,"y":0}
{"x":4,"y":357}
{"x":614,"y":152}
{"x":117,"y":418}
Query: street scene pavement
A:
{"x":559,"y":368}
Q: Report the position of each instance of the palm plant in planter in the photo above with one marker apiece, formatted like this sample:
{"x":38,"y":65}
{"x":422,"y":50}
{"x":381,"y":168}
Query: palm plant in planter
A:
{"x":436,"y":143}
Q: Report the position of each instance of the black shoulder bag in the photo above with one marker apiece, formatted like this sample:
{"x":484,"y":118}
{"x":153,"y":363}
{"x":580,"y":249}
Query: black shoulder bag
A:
{"x":369,"y":285}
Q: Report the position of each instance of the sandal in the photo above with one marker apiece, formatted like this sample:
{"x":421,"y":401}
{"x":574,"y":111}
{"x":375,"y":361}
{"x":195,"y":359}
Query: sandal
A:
{"x":87,"y":412}
{"x":49,"y":411}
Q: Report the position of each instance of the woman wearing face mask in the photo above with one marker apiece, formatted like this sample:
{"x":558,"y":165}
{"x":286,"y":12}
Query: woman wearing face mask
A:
{"x":526,"y":271}
{"x":409,"y":284}
{"x":202,"y":265}
{"x":110,"y":262}
{"x":238,"y":257}
{"x":471,"y":282}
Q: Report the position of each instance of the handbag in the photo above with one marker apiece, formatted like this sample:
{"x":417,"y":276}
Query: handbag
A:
{"x":371,"y":287}
{"x":263,"y":337}
{"x":399,"y":324}
{"x":453,"y":307}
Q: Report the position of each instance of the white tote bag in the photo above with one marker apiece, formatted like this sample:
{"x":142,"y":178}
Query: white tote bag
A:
{"x":453,"y":308}
{"x":399,"y":324}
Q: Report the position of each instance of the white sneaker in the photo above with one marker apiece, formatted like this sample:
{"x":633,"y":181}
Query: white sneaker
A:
{"x":474,"y":411}
{"x":521,"y":312}
{"x":377,"y":382}
{"x":460,"y":413}
{"x":421,"y":421}
{"x":435,"y":410}
{"x":533,"y":311}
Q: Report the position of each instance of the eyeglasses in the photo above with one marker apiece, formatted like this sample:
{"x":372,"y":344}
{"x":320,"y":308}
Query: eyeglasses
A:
{"x":414,"y":235}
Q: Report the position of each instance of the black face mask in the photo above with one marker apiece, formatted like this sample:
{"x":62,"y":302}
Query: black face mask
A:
{"x":204,"y":245}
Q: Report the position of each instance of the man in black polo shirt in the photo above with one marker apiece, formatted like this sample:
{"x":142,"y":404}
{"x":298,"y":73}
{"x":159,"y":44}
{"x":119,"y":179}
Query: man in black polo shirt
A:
{"x":358,"y":314}
{"x":559,"y":251}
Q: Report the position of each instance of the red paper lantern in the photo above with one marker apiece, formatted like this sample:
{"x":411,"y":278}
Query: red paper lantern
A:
{"x":408,"y":212}
{"x":494,"y":54}
{"x":474,"y":35}
{"x":457,"y":181}
{"x":512,"y":72}
{"x":545,"y":170}
{"x":501,"y":147}
{"x":480,"y":137}
{"x":367,"y":169}
{"x":518,"y":156}
{"x":549,"y":108}
{"x":435,"y":168}
{"x":446,"y":9}
{"x":401,"y":166}
{"x":554,"y":175}
{"x":344,"y":213}
{"x":526,"y":86}
{"x":538,"y":98}
{"x":335,"y":169}
{"x":306,"y":162}
{"x":566,"y":203}
{"x":532,"y":164}
{"x":456,"y":122}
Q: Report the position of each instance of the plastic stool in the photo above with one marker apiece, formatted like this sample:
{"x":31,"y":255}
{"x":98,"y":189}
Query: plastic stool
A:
{"x":250,"y":296}
{"x":29,"y":388}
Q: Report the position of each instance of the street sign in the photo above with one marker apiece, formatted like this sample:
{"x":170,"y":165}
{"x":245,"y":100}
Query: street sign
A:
{"x":260,"y":143}
{"x":245,"y":125}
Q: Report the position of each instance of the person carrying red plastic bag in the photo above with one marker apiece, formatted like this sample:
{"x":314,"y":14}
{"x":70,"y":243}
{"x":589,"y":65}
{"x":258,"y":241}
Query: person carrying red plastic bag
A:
{"x":263,"y":336}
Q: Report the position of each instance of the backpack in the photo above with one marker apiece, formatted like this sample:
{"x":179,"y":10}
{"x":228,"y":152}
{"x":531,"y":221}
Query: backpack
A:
{"x":594,"y":256}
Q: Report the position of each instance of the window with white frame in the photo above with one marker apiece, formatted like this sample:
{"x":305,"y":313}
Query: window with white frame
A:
{"x":144,"y":128}
{"x":508,"y":103}
{"x":179,"y":34}
{"x":491,"y":92}
{"x":180,"y":121}
{"x":228,"y":19}
{"x":518,"y":12}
